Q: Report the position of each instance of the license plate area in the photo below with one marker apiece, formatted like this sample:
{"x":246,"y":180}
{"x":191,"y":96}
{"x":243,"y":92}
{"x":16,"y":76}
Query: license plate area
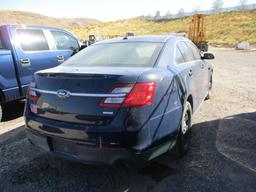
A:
{"x":69,"y":147}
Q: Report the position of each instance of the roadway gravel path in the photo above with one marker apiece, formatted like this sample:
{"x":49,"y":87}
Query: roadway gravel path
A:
{"x":222,"y":155}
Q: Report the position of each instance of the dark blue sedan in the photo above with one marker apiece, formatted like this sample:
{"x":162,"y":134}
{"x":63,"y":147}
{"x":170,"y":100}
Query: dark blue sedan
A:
{"x":127,"y":99}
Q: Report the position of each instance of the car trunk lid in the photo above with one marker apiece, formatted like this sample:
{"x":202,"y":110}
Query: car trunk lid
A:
{"x":74,"y":95}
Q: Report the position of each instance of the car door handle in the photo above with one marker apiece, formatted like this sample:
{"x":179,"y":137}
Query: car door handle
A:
{"x":25,"y":61}
{"x":60,"y":58}
{"x":190,"y":73}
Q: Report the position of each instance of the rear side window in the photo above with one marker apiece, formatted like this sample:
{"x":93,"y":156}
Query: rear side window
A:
{"x":179,"y":59}
{"x":64,"y":41}
{"x":32,"y":40}
{"x":186,"y":51}
{"x":195,"y":51}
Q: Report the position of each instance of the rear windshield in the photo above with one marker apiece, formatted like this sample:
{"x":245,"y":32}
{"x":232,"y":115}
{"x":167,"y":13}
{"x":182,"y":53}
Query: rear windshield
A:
{"x":125,"y":54}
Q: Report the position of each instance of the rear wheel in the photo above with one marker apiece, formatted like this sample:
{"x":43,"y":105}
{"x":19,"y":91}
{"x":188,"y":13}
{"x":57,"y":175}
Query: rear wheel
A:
{"x":183,"y":140}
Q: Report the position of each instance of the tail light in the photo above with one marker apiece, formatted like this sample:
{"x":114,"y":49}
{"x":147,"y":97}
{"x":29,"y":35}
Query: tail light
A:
{"x":31,"y":94}
{"x":116,"y":101}
{"x":138,"y":94}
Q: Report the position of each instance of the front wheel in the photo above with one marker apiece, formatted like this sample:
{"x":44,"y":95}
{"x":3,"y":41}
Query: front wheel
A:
{"x":183,"y":140}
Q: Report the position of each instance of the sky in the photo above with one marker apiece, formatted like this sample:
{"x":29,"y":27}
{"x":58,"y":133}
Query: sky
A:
{"x":109,"y":10}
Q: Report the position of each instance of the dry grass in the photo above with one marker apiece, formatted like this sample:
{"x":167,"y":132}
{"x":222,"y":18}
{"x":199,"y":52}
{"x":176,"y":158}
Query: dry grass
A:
{"x":21,"y":17}
{"x":222,"y":29}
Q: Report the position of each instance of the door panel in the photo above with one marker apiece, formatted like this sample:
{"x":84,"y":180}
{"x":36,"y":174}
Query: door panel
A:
{"x":8,"y":81}
{"x":33,"y":54}
{"x":206,"y":77}
{"x":63,"y":55}
{"x":200,"y":80}
{"x":190,"y":73}
{"x":65,"y":45}
{"x":203,"y":76}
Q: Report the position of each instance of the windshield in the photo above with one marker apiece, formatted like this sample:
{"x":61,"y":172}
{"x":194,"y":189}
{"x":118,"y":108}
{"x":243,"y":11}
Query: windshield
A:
{"x":125,"y":54}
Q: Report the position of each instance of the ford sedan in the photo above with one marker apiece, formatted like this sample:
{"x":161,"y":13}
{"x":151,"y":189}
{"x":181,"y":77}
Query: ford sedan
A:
{"x":126,"y":99}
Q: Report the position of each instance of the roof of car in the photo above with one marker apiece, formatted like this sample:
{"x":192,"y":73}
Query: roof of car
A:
{"x":30,"y":26}
{"x":151,"y":38}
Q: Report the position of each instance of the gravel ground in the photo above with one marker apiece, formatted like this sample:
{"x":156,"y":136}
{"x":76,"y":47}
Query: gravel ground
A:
{"x":222,"y":155}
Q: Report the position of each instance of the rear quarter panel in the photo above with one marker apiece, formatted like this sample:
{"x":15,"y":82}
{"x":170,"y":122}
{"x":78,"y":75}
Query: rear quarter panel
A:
{"x":162,"y":118}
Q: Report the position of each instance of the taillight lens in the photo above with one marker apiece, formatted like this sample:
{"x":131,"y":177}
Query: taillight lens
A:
{"x":141,"y":94}
{"x":138,"y":94}
{"x":31,"y":94}
{"x":116,"y":101}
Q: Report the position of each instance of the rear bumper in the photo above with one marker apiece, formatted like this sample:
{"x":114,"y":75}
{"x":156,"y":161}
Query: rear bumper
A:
{"x":94,"y":154}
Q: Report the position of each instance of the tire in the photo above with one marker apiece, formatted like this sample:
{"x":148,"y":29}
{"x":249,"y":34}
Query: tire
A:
{"x":1,"y":113}
{"x":209,"y":95}
{"x":183,"y":140}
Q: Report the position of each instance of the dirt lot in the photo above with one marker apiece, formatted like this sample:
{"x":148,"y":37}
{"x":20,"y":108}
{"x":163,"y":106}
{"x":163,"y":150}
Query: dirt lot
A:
{"x":222,"y":155}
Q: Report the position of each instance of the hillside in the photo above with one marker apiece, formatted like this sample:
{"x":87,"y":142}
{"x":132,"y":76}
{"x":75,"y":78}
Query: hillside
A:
{"x":20,"y":17}
{"x":222,"y":29}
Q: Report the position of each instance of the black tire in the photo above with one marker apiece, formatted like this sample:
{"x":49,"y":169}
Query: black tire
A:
{"x":1,"y":113}
{"x":209,"y":95}
{"x":183,"y":140}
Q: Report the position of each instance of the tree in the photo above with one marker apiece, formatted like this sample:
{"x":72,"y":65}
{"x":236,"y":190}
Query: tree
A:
{"x":217,"y":5}
{"x":181,"y":12}
{"x":157,"y":15}
{"x":242,"y":4}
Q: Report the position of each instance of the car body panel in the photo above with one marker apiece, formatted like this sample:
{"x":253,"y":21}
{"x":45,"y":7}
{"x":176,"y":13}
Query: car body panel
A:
{"x":8,"y":80}
{"x":97,"y":81}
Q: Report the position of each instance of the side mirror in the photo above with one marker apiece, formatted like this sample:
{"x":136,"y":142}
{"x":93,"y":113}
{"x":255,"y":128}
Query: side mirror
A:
{"x":74,"y":50}
{"x":208,"y":56}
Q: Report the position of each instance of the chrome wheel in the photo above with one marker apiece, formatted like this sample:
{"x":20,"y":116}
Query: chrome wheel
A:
{"x":185,"y":123}
{"x":184,"y":135}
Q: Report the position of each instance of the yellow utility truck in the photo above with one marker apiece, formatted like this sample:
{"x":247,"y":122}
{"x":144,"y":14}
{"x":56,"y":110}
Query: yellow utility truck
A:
{"x":197,"y":32}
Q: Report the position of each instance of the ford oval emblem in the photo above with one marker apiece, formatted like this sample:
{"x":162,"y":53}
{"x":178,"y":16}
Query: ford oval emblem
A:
{"x":63,"y":94}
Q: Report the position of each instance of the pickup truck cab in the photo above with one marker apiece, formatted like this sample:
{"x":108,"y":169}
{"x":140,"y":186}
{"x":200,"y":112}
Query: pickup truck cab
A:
{"x":27,"y":49}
